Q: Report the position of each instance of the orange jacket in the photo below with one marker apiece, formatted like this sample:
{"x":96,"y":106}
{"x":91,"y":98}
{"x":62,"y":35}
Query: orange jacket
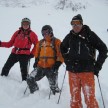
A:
{"x":46,"y":53}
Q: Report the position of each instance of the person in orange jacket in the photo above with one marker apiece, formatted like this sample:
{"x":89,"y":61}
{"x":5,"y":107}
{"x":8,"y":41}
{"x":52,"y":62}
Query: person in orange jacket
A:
{"x":78,"y":49}
{"x":48,"y":59}
{"x":21,"y":41}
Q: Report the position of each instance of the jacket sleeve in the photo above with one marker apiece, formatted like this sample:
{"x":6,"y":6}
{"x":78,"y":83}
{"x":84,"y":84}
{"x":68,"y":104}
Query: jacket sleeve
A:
{"x":64,"y":45}
{"x":101,"y":47}
{"x":58,"y":51}
{"x":36,"y":50}
{"x":9,"y":43}
{"x":34,"y":40}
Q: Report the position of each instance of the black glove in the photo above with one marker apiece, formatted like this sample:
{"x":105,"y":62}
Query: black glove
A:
{"x":31,"y":56}
{"x":57,"y":65}
{"x":97,"y":68}
{"x":96,"y":72}
{"x":35,"y":63}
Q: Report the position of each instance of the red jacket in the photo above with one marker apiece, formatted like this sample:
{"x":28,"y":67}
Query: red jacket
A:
{"x":22,"y":42}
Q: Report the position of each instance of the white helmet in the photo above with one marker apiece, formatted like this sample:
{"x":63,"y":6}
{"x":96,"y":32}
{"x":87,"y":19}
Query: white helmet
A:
{"x":26,"y":20}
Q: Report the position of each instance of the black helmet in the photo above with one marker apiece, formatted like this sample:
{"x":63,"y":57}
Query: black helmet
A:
{"x":47,"y":27}
{"x":26,"y":20}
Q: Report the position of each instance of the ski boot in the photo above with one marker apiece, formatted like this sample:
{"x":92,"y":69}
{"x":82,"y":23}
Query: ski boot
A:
{"x":32,"y":85}
{"x":55,"y":90}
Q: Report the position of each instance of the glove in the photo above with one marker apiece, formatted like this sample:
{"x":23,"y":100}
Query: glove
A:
{"x":31,"y":56}
{"x":35,"y":63}
{"x":96,"y":72}
{"x":57,"y":65}
{"x":97,"y":68}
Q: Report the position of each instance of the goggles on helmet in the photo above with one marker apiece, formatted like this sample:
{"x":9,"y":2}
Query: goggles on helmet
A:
{"x":76,"y":23}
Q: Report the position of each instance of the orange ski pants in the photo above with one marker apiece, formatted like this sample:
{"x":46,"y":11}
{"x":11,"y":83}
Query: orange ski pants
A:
{"x":86,"y":82}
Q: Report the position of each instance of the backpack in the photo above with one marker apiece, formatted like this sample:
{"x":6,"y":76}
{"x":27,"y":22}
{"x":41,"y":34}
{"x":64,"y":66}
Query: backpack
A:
{"x":52,"y":45}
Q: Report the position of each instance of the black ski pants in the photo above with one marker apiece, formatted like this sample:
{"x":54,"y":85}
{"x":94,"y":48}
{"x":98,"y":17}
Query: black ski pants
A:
{"x":38,"y":73}
{"x":14,"y":58}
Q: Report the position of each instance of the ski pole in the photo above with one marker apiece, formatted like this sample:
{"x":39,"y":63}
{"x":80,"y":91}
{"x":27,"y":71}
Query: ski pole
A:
{"x":61,"y":88}
{"x":28,"y":66}
{"x":101,"y":92}
{"x":27,"y":72}
{"x":25,"y":90}
{"x":50,"y":94}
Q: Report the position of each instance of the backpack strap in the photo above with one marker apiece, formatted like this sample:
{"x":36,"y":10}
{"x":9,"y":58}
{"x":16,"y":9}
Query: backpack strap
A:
{"x":87,"y":40}
{"x":40,"y":45}
{"x":28,"y":36}
{"x":53,"y":47}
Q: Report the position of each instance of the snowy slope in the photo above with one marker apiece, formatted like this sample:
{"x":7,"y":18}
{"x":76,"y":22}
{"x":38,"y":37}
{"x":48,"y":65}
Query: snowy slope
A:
{"x":12,"y":88}
{"x":74,"y":5}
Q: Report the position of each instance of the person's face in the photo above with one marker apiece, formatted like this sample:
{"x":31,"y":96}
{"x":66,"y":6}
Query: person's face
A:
{"x":76,"y":26}
{"x":47,"y":35}
{"x":25,"y":25}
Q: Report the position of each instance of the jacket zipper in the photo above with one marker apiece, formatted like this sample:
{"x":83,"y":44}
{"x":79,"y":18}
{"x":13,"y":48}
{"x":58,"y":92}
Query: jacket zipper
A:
{"x":88,"y":50}
{"x":79,"y":48}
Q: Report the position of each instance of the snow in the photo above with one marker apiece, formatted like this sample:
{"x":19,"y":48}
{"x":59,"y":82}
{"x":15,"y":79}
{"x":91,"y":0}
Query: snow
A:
{"x":12,"y":88}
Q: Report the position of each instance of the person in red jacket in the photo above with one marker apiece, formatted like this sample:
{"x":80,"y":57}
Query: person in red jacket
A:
{"x":21,"y":41}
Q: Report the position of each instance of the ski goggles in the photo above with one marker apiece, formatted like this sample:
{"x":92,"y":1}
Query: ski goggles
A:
{"x":25,"y":23}
{"x":76,"y":23}
{"x":46,"y":32}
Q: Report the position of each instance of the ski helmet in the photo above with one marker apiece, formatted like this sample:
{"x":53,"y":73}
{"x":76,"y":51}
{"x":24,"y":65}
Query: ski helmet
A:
{"x":77,"y":17}
{"x":25,"y":20}
{"x":47,"y":27}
